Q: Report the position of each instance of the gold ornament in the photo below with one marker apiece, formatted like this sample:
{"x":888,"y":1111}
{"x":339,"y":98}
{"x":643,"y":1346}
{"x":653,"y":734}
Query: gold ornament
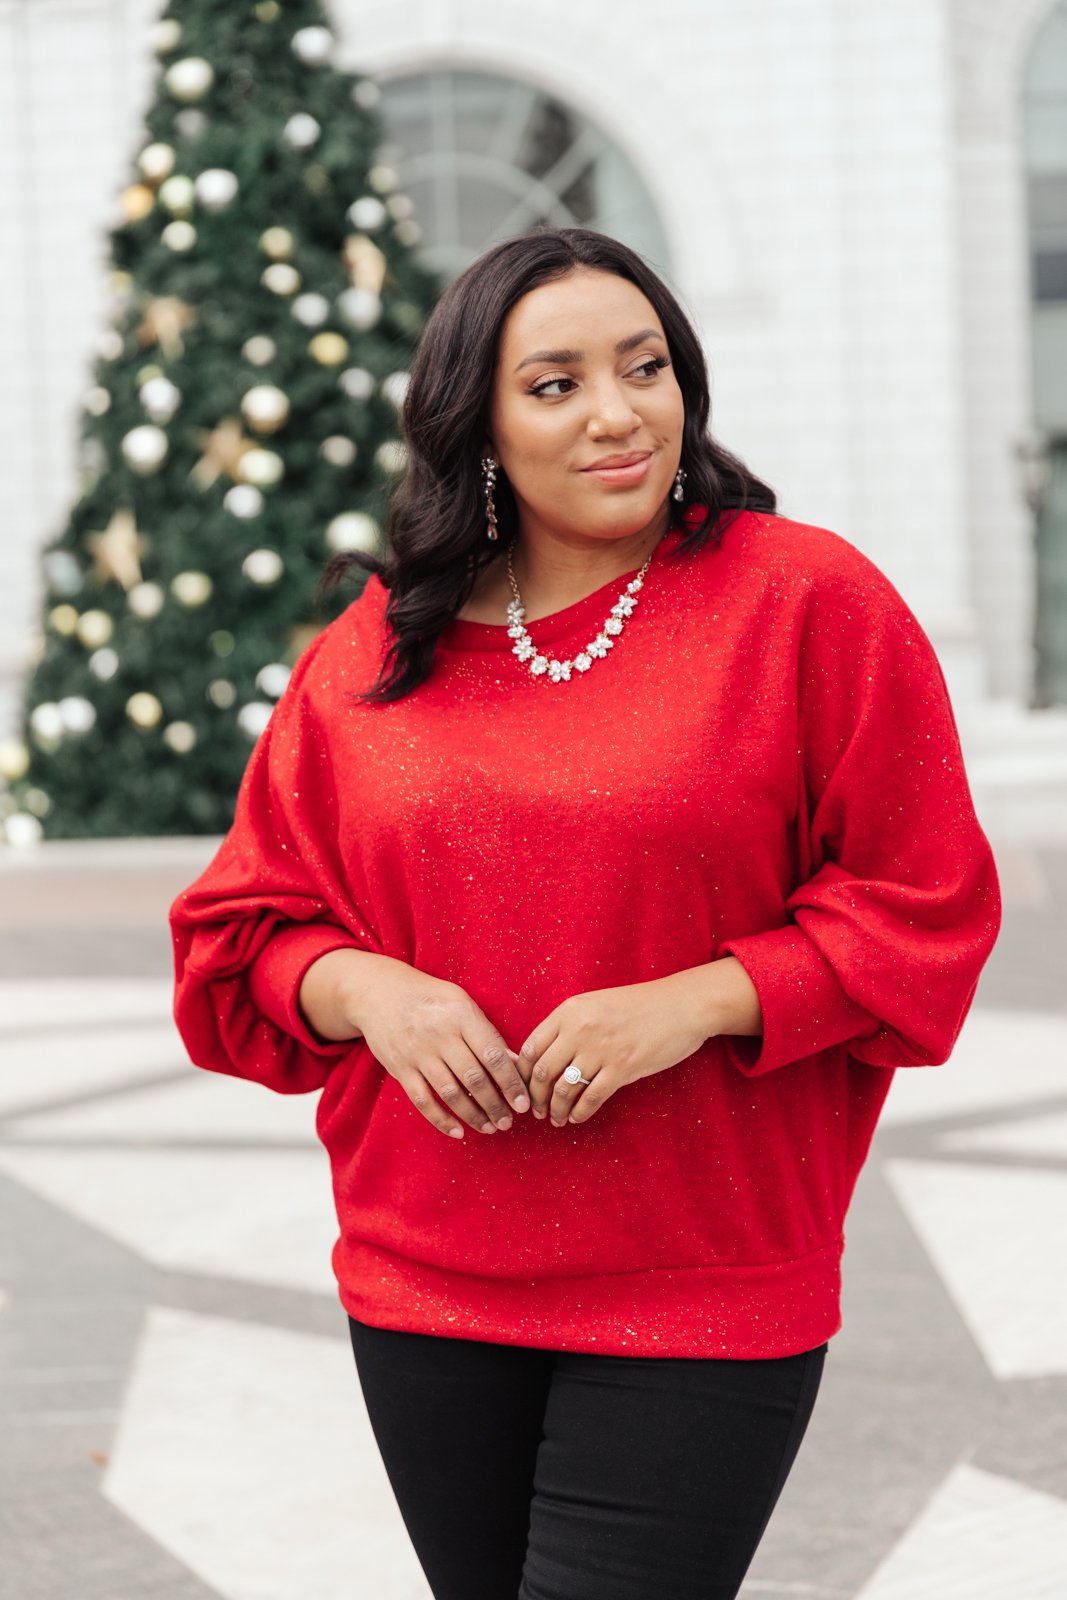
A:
{"x":364,"y":262}
{"x":94,"y":629}
{"x":300,"y":636}
{"x":143,"y":709}
{"x":14,"y":759}
{"x":118,"y":548}
{"x":156,"y":162}
{"x":136,"y":202}
{"x":278,"y":243}
{"x":63,"y":619}
{"x":162,"y":321}
{"x":225,"y":447}
{"x":329,"y":349}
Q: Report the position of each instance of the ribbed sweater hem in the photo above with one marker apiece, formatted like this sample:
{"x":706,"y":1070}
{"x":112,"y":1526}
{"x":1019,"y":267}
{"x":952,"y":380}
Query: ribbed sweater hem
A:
{"x":729,"y":1312}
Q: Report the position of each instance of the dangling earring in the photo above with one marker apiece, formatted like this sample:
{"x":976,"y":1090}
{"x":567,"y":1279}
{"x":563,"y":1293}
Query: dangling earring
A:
{"x":489,"y":467}
{"x":679,"y":479}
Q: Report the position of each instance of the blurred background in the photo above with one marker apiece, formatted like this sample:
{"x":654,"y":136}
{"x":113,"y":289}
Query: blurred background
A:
{"x":224,"y":224}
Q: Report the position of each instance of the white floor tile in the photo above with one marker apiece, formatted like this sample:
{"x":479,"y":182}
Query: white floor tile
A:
{"x":1002,"y":1058}
{"x":264,"y":1216}
{"x":999,"y":1241}
{"x":980,"y":1538}
{"x":203,"y":1105}
{"x":1029,"y":1136}
{"x":246,"y":1451}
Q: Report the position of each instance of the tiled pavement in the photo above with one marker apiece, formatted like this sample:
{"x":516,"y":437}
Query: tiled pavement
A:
{"x":181,"y":1418}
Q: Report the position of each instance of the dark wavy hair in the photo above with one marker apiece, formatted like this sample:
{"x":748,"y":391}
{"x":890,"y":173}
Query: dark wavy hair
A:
{"x":435,"y":526}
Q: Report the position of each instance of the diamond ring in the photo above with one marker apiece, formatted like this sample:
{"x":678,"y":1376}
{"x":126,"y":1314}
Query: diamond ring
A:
{"x":571,"y":1074}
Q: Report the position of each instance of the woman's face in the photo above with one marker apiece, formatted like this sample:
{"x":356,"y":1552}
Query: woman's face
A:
{"x":576,"y":381}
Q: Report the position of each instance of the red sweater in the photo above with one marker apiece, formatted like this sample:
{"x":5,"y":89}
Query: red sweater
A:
{"x":765,"y":765}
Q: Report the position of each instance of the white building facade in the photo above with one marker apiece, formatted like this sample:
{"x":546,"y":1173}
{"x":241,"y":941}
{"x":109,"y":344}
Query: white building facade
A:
{"x":841,"y":193}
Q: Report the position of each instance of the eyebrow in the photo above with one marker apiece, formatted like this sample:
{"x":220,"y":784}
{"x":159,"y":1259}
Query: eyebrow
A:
{"x":565,"y":357}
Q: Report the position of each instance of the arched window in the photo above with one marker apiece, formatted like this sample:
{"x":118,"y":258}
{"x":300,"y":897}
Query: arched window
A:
{"x":485,"y":157}
{"x":1045,"y":132}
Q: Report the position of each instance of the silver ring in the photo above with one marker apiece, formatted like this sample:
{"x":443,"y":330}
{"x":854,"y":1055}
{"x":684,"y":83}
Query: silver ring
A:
{"x":571,"y":1074}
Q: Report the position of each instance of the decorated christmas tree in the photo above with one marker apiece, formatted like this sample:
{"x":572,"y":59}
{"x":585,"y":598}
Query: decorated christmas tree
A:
{"x":240,"y":429}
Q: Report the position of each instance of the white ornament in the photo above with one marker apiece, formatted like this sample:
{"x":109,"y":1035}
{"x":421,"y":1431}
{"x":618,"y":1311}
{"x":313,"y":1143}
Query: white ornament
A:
{"x":160,"y":398}
{"x":352,"y":530}
{"x":361,"y":308}
{"x":357,"y":383}
{"x":94,"y":629}
{"x":63,"y":572}
{"x":560,"y":671}
{"x":301,"y":132}
{"x":313,"y":46}
{"x":110,"y":345}
{"x":190,"y":78}
{"x":180,"y":737}
{"x":178,"y":195}
{"x":392,"y":456}
{"x":143,"y":709}
{"x":280,"y":278}
{"x":165,"y":36}
{"x":253,"y":717}
{"x":14,"y":759}
{"x":395,"y":387}
{"x":216,"y":188}
{"x":243,"y":501}
{"x":338,"y":450}
{"x":367,"y":213}
{"x":265,"y":407}
{"x":263,"y":566}
{"x":264,"y":468}
{"x":145,"y":448}
{"x":46,"y":720}
{"x":311,"y":309}
{"x":259,"y":351}
{"x":22,"y":831}
{"x":178,"y":236}
{"x":191,"y":588}
{"x":272,"y":679}
{"x":104,"y":664}
{"x":190,"y":123}
{"x":98,"y":401}
{"x":277,"y":242}
{"x":156,"y":161}
{"x":145,"y":600}
{"x":78,"y":714}
{"x":366,"y":93}
{"x":222,"y":693}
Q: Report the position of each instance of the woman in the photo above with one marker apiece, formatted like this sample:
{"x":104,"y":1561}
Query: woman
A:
{"x":623,"y":821}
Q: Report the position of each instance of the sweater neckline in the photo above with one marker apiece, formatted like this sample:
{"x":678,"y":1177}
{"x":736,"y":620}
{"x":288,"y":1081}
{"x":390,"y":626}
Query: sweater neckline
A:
{"x":462,"y":634}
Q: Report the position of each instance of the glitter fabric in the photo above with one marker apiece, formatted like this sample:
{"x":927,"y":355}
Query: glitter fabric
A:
{"x":766,"y":765}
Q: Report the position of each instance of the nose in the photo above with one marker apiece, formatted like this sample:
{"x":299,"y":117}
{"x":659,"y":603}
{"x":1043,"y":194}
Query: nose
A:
{"x":610,"y":412}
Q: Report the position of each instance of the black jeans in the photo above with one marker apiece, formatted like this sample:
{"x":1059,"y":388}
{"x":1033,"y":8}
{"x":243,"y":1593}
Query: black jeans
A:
{"x":526,"y":1474}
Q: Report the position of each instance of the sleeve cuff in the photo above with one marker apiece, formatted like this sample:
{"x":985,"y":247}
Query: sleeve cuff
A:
{"x":275,"y":976}
{"x":804,"y":1007}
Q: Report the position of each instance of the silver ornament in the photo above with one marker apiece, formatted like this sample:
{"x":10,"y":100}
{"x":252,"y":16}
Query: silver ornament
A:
{"x":145,"y":448}
{"x":301,"y":132}
{"x":190,"y":78}
{"x":216,"y":188}
{"x":313,"y":46}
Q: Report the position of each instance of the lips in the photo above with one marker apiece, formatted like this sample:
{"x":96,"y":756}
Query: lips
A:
{"x":608,"y":463}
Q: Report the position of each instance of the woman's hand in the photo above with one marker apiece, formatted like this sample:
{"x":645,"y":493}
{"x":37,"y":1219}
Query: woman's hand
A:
{"x":434,"y":1040}
{"x":616,"y":1036}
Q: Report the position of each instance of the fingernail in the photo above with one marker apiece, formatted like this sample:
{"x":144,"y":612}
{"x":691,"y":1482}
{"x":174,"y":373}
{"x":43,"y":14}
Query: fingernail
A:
{"x":487,"y":1127}
{"x":538,"y":1113}
{"x":556,"y":1124}
{"x":521,"y":1103}
{"x":455,"y":1133}
{"x":504,"y":1122}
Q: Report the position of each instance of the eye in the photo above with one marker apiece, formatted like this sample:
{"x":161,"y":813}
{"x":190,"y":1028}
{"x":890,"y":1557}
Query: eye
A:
{"x":543,"y":388}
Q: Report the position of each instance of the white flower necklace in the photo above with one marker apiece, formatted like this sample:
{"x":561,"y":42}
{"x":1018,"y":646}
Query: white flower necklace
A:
{"x":560,"y":671}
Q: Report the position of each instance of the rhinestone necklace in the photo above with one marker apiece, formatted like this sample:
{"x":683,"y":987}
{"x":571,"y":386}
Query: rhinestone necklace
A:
{"x":560,"y":671}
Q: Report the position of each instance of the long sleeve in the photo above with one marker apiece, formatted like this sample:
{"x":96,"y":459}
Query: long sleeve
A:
{"x":899,"y":904}
{"x":272,"y":900}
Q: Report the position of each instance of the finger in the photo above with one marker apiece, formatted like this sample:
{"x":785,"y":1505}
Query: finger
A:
{"x":480,"y":1086}
{"x":566,"y":1095}
{"x":590,"y":1097}
{"x":544,"y":1073}
{"x":445,"y":1084}
{"x":490,"y":1049}
{"x":425,"y":1101}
